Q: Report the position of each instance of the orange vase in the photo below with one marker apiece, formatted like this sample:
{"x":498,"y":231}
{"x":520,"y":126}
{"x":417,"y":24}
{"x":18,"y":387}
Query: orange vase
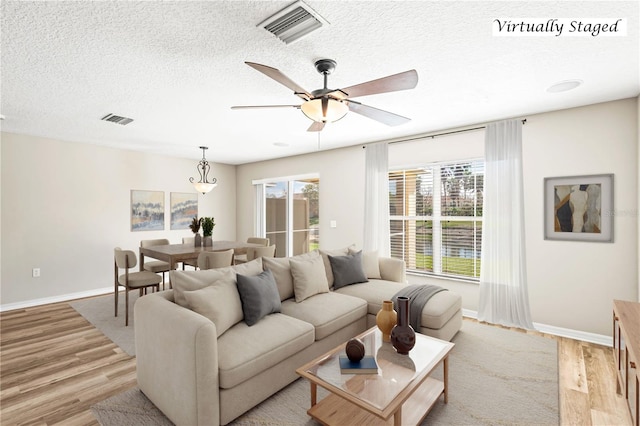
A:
{"x":386,"y":319}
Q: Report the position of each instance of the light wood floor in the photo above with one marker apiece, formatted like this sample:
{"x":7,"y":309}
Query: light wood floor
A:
{"x":54,"y":365}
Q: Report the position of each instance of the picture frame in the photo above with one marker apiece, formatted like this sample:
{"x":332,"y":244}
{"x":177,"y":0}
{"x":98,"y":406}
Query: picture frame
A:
{"x":147,"y":210}
{"x":184,"y":206}
{"x":579,"y":208}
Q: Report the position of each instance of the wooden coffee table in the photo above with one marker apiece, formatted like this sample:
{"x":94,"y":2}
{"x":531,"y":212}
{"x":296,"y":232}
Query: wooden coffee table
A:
{"x":402,"y":389}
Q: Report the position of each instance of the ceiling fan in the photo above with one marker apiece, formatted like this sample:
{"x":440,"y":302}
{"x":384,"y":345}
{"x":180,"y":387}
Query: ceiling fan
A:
{"x":328,"y":105}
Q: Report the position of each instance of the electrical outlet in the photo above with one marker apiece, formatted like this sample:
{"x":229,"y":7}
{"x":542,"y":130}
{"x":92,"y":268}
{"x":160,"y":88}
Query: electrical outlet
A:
{"x":35,"y":272}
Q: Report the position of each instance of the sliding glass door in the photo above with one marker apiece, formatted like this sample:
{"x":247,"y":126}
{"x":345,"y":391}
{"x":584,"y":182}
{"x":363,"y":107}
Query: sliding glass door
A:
{"x":290,"y":212}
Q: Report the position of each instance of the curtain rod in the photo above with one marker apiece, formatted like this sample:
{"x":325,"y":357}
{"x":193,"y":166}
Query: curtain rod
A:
{"x":441,"y":134}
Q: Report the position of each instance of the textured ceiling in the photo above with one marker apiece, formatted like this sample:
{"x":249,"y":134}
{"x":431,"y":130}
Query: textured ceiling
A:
{"x":176,"y":68}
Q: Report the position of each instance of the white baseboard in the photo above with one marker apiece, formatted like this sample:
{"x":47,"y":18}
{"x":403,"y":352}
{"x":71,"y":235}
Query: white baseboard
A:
{"x":599,"y":339}
{"x":55,"y":299}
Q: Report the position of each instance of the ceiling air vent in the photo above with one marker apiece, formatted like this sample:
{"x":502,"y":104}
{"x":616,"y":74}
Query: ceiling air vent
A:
{"x":117,"y":119}
{"x":293,"y":22}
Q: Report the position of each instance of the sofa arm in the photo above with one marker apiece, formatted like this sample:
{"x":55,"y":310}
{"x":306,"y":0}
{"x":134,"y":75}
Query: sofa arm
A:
{"x":392,"y":269}
{"x":177,"y":360}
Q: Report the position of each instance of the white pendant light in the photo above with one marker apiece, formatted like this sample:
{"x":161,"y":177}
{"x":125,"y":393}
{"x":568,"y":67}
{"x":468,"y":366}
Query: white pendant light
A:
{"x":203,"y":185}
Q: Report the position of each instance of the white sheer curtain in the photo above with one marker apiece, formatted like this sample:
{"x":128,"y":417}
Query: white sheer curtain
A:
{"x":376,"y":198}
{"x":259,"y":225}
{"x":503,"y":278}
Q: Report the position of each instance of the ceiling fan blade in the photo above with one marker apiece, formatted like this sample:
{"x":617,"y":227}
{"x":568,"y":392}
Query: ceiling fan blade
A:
{"x":278,"y":76}
{"x":264,"y":106}
{"x":385,"y":117}
{"x":316,"y":126}
{"x":392,"y":83}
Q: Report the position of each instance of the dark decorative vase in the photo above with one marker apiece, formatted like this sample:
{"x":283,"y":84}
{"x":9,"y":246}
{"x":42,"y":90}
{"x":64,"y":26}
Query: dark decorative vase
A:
{"x":197,"y":240}
{"x":403,"y":338}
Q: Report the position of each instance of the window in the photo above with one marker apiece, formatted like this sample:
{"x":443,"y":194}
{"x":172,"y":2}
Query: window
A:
{"x":436,"y":218}
{"x":289,"y":214}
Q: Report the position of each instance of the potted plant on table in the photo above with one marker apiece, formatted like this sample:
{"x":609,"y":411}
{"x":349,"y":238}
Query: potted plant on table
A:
{"x":207,"y":229}
{"x":195,"y":228}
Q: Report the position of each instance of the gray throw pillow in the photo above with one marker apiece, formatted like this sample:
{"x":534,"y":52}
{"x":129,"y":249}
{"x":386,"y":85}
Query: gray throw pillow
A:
{"x":347,"y":270}
{"x":259,"y":296}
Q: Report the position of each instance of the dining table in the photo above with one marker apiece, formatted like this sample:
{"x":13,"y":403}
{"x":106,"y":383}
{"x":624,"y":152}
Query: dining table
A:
{"x":176,"y":253}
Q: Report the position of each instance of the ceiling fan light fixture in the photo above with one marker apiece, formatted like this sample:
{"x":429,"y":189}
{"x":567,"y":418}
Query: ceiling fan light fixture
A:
{"x":335,"y":110}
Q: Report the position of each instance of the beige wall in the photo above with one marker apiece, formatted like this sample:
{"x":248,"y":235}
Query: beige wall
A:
{"x":65,"y":206}
{"x":341,"y":192}
{"x":638,"y":208}
{"x":571,"y":284}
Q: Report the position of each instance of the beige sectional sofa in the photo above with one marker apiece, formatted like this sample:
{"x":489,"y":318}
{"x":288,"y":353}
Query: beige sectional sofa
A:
{"x":200,"y":362}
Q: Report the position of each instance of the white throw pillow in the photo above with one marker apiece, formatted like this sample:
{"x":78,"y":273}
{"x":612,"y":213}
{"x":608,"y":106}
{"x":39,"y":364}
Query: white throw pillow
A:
{"x":281,"y":270}
{"x":183,"y":281}
{"x":309,"y":276}
{"x":220,"y":302}
{"x":370,"y":263}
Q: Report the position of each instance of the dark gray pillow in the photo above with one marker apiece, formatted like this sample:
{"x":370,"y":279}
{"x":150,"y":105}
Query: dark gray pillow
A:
{"x":347,"y":270}
{"x":259,"y":296}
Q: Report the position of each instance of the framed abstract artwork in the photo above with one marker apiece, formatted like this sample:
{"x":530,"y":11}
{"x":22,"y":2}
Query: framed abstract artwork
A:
{"x":147,"y":210}
{"x":184,"y":207}
{"x":579,"y":208}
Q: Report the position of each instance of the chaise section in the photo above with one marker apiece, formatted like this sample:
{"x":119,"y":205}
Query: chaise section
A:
{"x":441,"y":317}
{"x":245,"y":351}
{"x":327,"y":312}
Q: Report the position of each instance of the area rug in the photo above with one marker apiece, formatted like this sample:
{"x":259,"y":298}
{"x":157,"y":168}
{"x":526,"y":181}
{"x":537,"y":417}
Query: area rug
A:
{"x":99,"y":311}
{"x":496,"y":377}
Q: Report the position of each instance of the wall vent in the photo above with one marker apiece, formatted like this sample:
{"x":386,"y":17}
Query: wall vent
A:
{"x":293,"y":22}
{"x":117,"y":119}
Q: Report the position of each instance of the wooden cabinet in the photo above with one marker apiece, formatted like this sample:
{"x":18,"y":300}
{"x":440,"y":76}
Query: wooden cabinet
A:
{"x":626,"y":347}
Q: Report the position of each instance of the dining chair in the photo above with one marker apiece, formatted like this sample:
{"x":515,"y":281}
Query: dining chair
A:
{"x":241,"y":254}
{"x":191,"y":241}
{"x":215,"y":259}
{"x":142,"y":280}
{"x":156,"y":266}
{"x":256,"y":252}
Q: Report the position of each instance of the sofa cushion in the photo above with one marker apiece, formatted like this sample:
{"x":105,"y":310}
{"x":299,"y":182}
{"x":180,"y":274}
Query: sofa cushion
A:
{"x":327,"y":265}
{"x":370,"y":263}
{"x":328,"y":312}
{"x":347,"y":269}
{"x":253,"y":267}
{"x":259,"y":296}
{"x":218,"y":302}
{"x":182,"y":281}
{"x":245,"y":351}
{"x":281,"y":270}
{"x":440,"y":308}
{"x":309,"y":277}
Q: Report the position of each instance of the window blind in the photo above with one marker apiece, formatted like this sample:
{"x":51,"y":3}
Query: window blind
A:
{"x":436,"y":217}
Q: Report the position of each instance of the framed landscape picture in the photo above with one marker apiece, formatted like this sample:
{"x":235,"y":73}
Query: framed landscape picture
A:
{"x":579,"y":208}
{"x":184,"y":207}
{"x":147,"y":210}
